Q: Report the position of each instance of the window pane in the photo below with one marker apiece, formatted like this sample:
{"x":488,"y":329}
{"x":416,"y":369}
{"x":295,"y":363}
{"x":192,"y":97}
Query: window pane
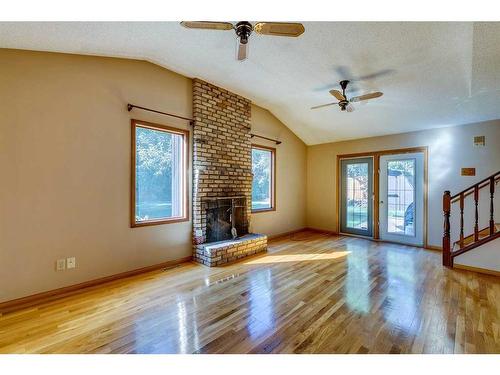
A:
{"x":401,"y":197}
{"x":158,"y":189}
{"x":357,"y":196}
{"x":262,"y":179}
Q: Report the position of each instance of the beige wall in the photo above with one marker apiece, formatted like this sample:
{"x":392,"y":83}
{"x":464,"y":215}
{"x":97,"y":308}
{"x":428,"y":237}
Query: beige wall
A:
{"x":486,"y":256}
{"x":449,"y":150}
{"x":65,"y":168}
{"x":65,"y":162}
{"x":290,"y":211}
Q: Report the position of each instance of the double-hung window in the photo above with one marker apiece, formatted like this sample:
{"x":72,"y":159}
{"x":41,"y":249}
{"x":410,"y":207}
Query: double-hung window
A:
{"x":159,"y":168}
{"x":263,"y":184}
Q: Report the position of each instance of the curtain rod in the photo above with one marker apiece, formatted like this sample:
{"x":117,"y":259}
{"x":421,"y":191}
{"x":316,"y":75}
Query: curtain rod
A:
{"x":191,"y":121}
{"x":132,"y":106}
{"x":268,"y":139}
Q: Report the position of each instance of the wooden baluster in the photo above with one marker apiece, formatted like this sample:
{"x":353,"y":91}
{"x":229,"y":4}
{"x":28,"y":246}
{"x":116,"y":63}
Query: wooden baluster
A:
{"x":476,"y":223}
{"x":492,"y":218}
{"x":447,"y":258}
{"x":462,"y":220}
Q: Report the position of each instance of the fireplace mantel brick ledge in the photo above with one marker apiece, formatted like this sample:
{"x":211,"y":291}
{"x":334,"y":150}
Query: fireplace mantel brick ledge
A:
{"x":222,"y":167}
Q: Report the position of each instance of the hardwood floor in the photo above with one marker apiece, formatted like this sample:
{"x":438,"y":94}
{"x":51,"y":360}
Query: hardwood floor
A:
{"x":312,"y":293}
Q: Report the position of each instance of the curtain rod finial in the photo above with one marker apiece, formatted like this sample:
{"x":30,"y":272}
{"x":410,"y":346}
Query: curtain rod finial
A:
{"x":129,"y":107}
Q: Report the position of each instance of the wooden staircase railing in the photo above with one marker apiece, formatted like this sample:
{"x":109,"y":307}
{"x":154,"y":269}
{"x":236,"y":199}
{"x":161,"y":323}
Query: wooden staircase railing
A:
{"x":449,"y":253}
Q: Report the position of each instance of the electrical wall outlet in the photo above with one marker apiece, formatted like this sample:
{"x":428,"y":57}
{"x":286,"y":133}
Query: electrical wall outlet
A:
{"x":60,"y":264}
{"x":71,"y":262}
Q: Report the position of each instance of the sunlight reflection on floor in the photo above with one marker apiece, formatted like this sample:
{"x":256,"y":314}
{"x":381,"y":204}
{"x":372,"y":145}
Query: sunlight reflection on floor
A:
{"x":298,"y":257}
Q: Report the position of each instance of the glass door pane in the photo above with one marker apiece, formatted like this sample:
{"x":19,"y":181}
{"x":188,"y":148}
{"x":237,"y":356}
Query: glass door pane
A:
{"x":356,"y":196}
{"x":401,"y":197}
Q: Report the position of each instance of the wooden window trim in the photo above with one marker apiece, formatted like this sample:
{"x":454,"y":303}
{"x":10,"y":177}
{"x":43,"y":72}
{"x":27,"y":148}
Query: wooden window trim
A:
{"x":185,"y":163}
{"x":273,"y":179}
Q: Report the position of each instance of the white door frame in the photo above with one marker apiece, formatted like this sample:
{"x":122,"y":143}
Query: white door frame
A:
{"x":417,"y":238}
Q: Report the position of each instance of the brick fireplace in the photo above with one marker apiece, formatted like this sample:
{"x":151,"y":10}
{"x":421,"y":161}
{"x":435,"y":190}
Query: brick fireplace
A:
{"x":222,"y":176}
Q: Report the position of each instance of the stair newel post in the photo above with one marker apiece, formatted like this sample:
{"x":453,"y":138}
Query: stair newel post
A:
{"x":461,"y":219}
{"x":476,"y":223}
{"x":447,"y":259}
{"x":492,"y":216}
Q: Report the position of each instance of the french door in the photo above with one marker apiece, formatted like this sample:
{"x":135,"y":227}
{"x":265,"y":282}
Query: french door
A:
{"x":401,"y":198}
{"x":356,"y":196}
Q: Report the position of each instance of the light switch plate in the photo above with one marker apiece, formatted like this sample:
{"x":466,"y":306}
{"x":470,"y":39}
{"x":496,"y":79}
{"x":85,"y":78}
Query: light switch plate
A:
{"x":60,"y":264}
{"x":71,"y":262}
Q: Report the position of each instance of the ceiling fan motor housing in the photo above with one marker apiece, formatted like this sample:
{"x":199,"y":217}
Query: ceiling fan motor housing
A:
{"x":243,"y":30}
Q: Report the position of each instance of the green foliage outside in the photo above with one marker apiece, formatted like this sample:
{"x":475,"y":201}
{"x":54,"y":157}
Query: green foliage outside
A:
{"x":402,"y":167}
{"x":261,"y":169}
{"x":153,"y":174}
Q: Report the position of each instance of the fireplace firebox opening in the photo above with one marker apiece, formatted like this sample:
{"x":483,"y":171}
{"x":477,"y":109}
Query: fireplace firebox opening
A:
{"x":226,"y":218}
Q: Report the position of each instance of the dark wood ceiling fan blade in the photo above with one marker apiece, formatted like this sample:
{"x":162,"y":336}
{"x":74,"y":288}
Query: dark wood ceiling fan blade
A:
{"x":337,"y":94}
{"x":324,"y":105}
{"x":292,"y":29}
{"x":207,"y":25}
{"x":372,"y":95}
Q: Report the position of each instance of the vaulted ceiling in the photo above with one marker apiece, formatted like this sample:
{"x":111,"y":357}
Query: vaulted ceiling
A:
{"x":432,"y":74}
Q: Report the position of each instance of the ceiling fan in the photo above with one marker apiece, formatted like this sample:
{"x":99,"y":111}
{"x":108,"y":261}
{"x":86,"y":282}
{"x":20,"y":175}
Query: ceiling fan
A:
{"x":243,"y":30}
{"x":344,"y":103}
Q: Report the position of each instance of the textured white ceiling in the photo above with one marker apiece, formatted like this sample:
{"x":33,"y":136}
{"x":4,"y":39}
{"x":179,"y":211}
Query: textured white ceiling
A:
{"x":432,"y":74}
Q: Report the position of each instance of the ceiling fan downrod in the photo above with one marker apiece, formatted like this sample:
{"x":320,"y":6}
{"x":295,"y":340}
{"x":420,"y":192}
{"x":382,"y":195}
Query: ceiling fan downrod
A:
{"x":343,"y":103}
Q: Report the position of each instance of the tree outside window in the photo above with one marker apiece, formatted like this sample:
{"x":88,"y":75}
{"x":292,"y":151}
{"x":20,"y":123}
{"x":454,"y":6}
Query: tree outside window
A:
{"x":159,"y":174}
{"x":263,"y":178}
